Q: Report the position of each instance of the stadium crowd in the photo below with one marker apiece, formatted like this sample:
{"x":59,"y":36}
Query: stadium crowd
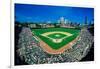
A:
{"x":30,"y":51}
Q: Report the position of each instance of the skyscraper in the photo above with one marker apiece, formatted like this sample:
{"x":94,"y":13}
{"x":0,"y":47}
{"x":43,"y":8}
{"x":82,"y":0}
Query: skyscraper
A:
{"x":62,"y":21}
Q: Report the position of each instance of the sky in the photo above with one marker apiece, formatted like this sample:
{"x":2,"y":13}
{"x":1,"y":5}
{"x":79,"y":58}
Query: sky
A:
{"x":44,"y":13}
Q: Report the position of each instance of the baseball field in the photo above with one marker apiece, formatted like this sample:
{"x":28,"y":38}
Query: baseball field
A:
{"x":56,"y":38}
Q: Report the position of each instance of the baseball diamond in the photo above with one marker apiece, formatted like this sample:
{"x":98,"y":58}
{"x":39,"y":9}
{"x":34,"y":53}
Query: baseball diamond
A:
{"x":56,"y":36}
{"x":56,"y":40}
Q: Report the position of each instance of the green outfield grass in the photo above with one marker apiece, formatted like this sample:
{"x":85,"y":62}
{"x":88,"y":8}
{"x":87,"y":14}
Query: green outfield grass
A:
{"x":55,"y":37}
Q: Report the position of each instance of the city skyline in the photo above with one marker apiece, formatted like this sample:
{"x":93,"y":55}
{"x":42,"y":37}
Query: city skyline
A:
{"x":45,"y":13}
